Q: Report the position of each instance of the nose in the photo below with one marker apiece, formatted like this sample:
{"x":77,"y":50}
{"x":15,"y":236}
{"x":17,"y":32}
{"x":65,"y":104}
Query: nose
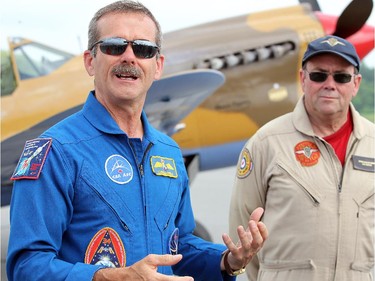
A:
{"x":330,"y":82}
{"x":128,"y":56}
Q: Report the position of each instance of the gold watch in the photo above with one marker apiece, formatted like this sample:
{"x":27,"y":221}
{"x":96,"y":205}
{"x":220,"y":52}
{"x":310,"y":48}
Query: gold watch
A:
{"x":227,"y":267}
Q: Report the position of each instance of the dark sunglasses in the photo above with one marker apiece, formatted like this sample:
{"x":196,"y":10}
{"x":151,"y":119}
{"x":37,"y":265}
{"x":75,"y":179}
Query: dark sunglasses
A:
{"x":142,"y":49}
{"x":319,"y":77}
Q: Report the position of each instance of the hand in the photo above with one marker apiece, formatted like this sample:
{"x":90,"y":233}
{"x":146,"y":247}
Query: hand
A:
{"x":250,"y":241}
{"x":145,"y":269}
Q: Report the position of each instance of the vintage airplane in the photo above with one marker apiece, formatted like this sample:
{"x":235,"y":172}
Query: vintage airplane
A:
{"x":222,"y":81}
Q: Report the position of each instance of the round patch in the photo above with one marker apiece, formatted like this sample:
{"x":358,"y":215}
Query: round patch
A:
{"x":118,"y":169}
{"x":307,"y":153}
{"x":106,"y":248}
{"x":245,"y":166}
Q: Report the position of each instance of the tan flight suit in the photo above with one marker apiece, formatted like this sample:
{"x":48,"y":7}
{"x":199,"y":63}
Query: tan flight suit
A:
{"x":320,"y":215}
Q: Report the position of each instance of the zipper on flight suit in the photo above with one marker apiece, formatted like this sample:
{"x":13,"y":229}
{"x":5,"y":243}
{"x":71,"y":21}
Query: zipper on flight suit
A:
{"x":346,"y":163}
{"x":140,"y":166}
{"x":142,"y":173}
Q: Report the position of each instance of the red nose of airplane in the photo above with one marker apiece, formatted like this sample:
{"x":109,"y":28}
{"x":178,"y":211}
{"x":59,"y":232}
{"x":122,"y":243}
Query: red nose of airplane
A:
{"x":363,"y":40}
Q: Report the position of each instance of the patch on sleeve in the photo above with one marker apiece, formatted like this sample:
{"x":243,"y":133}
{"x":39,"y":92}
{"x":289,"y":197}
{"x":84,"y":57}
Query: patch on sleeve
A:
{"x":32,"y":159}
{"x":162,"y":166}
{"x":245,"y":165}
{"x":173,"y":242}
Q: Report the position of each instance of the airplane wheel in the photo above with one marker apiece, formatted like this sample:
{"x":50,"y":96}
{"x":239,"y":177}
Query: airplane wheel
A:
{"x":202,"y":232}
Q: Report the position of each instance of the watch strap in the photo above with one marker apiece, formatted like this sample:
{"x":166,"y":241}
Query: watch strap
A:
{"x":227,"y":267}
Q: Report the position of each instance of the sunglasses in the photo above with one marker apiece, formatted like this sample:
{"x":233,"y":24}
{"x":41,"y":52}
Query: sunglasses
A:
{"x":142,"y":49}
{"x":319,"y":77}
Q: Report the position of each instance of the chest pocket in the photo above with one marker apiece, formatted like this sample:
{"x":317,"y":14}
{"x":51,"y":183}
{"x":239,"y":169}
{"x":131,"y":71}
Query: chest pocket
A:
{"x":166,"y":196}
{"x":311,"y":192}
{"x":97,"y":194}
{"x":364,"y":252}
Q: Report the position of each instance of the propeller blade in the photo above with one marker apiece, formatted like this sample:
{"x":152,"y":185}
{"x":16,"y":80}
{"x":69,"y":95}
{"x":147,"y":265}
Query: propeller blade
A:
{"x":353,"y":18}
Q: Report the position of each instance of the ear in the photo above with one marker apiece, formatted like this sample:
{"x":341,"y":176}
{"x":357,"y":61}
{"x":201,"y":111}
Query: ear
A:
{"x":357,"y":83}
{"x":88,"y":61}
{"x":302,"y":76}
{"x":159,"y":67}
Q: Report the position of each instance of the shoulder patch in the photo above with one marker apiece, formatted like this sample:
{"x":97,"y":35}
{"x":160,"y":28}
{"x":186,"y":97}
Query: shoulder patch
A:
{"x":32,"y":159}
{"x":245,"y":165}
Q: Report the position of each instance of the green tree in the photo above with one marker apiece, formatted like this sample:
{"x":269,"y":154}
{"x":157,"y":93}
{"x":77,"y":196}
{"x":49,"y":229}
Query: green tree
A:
{"x":364,"y":101}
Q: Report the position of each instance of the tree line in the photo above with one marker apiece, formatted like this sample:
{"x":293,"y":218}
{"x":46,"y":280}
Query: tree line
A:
{"x":364,"y":101}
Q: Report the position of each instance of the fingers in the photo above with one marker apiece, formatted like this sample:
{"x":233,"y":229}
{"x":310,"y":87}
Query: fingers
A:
{"x":154,"y":261}
{"x":250,"y":241}
{"x":257,"y":214}
{"x":157,"y":260}
{"x":228,"y":241}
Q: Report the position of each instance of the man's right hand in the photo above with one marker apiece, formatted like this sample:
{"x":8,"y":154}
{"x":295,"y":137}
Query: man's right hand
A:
{"x":145,"y":269}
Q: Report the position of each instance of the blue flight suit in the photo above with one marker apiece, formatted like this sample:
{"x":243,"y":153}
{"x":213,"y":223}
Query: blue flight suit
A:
{"x":102,"y":199}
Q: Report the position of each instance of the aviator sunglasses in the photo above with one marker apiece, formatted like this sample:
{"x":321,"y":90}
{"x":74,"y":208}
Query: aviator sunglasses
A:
{"x":142,"y":49}
{"x":318,"y":76}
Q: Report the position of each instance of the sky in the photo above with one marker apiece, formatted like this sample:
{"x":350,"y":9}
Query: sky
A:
{"x":63,"y":24}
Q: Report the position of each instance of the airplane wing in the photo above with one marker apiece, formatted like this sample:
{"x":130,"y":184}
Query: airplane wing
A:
{"x":172,"y":98}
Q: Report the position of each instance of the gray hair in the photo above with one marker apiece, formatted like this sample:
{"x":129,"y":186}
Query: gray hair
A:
{"x":123,"y":6}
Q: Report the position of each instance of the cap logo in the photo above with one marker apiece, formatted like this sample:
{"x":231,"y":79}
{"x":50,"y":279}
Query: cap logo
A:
{"x":332,"y":42}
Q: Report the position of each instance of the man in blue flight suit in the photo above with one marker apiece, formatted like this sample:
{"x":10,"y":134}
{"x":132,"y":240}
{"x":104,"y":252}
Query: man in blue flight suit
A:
{"x":107,"y":197}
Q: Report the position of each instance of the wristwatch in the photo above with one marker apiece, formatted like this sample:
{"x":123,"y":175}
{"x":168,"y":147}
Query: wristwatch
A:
{"x":227,"y":267}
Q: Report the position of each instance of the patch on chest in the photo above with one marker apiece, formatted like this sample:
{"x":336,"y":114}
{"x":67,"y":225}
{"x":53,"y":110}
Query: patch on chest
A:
{"x":162,"y":166}
{"x":106,"y":248}
{"x":307,"y":153}
{"x":118,"y":169}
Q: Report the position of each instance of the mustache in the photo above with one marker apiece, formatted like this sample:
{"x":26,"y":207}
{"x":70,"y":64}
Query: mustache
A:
{"x":126,"y":69}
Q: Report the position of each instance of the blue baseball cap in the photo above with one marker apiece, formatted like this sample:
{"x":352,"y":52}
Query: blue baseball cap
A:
{"x":335,"y":45}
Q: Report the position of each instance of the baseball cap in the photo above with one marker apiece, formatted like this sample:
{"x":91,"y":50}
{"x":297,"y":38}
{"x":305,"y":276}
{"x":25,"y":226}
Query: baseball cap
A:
{"x":335,"y":45}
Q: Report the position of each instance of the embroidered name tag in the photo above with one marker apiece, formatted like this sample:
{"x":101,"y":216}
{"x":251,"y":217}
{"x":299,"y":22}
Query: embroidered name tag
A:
{"x":32,"y":159}
{"x":162,"y":166}
{"x":364,"y":163}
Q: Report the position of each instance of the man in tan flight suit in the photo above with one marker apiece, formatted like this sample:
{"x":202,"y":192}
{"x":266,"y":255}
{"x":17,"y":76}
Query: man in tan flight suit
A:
{"x":312,"y":170}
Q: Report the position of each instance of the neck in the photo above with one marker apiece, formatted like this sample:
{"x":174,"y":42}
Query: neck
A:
{"x":328,"y":125}
{"x":128,"y":118}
